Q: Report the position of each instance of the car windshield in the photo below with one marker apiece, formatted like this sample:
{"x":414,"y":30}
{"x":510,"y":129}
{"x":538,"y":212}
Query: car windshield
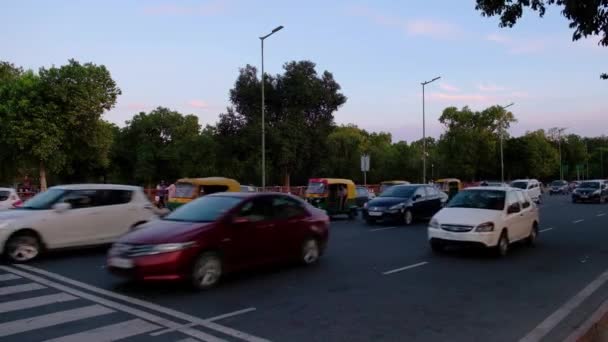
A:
{"x":589,"y":185}
{"x":184,"y":190}
{"x":479,"y":199}
{"x":557,"y":183}
{"x":204,"y":209}
{"x":316,"y":188}
{"x":44,"y":200}
{"x":520,"y":185}
{"x":399,"y":191}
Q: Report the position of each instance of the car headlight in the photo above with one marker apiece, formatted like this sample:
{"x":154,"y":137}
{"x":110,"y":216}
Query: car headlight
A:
{"x":434,"y":224}
{"x":396,"y":207}
{"x":596,"y":192}
{"x":365,"y":205}
{"x":485,"y":227}
{"x":172,"y":247}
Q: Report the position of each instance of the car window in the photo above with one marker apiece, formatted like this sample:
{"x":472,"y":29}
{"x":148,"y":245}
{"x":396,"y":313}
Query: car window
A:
{"x":80,"y":199}
{"x":204,"y":209}
{"x":513,"y":200}
{"x":420,"y":191}
{"x":432,"y":191}
{"x":520,"y":185}
{"x":479,"y":199}
{"x":286,"y":208}
{"x":523,"y":200}
{"x":114,"y":197}
{"x":362,"y":192}
{"x":4,"y":195}
{"x":184,"y":190}
{"x":256,"y":210}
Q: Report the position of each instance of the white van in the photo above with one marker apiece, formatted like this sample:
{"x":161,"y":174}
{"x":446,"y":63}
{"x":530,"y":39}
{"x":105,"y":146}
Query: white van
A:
{"x":531,"y":186}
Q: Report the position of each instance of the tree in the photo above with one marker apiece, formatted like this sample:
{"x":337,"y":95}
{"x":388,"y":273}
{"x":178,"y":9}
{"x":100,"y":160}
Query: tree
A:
{"x":531,"y":156}
{"x":586,"y":17}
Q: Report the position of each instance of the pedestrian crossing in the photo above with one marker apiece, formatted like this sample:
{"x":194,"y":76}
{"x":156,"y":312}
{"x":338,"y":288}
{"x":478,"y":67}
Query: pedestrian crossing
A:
{"x":37,"y":309}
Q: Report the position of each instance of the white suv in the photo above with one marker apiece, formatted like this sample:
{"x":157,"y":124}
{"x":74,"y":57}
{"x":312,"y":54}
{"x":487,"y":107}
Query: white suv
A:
{"x":485,"y":216}
{"x":530,"y":186}
{"x":72,"y":216}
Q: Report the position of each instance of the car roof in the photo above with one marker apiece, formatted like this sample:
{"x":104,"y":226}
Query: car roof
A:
{"x":501,"y":188}
{"x":97,"y":187}
{"x":248,"y":194}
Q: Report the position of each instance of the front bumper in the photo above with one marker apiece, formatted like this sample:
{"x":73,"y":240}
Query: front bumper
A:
{"x":489,"y":239}
{"x":165,"y":266}
{"x":383,"y":214}
{"x":586,"y":198}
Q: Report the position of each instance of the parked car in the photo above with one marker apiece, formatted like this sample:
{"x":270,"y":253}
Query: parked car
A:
{"x":531,"y":187}
{"x":404,"y":203}
{"x":248,"y":188}
{"x":9,"y":199}
{"x":559,"y":187}
{"x":222,"y":233}
{"x":363,"y":196}
{"x":493,"y":183}
{"x":72,"y":216}
{"x":591,"y":191}
{"x":491,"y":217}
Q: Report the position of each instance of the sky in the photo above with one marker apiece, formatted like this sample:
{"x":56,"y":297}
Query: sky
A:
{"x":185,"y":55}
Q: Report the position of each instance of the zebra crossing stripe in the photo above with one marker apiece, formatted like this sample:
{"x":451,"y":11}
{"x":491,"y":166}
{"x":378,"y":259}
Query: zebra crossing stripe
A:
{"x":111,"y":332}
{"x":20,"y":288}
{"x":49,"y":320}
{"x":5,"y":277}
{"x":35,"y":301}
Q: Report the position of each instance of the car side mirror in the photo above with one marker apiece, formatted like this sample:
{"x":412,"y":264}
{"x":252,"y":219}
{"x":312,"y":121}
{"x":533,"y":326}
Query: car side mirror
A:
{"x":514,"y":208}
{"x":417,"y":197}
{"x":62,"y":207}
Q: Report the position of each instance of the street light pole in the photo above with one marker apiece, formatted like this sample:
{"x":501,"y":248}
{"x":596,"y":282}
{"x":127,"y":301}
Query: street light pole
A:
{"x":263,"y":110}
{"x":424,"y":130}
{"x":502,"y":133}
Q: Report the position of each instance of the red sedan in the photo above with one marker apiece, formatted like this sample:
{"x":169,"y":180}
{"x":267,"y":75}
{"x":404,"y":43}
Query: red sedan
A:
{"x":222,"y":233}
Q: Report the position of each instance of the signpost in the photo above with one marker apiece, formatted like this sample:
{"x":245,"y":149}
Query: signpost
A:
{"x":365,"y":167}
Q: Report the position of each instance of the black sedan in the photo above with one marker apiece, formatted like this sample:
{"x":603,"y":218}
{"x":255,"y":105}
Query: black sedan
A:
{"x":404,"y":203}
{"x":591,"y":191}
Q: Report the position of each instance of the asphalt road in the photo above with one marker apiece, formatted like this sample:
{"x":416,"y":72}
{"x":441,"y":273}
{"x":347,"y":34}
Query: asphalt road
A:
{"x":378,"y":283}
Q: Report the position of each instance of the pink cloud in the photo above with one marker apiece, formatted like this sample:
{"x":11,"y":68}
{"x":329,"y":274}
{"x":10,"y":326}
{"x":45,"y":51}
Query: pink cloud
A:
{"x":475,"y":98}
{"x":137,"y":106}
{"x":200,"y":104}
{"x":518,"y":46}
{"x":208,"y":8}
{"x":448,"y":87}
{"x":490,"y":88}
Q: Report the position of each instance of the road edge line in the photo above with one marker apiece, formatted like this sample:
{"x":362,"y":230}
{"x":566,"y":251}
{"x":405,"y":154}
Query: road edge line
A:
{"x":589,"y":323}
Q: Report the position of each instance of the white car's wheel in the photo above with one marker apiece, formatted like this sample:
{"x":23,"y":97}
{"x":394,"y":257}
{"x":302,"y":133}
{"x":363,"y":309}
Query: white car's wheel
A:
{"x":502,"y":248}
{"x":22,"y":248}
{"x":408,"y":218}
{"x":533,"y":235}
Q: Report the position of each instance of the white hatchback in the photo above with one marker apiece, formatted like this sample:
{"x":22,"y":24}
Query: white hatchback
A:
{"x":8,"y":199}
{"x":531,"y":187}
{"x":492,"y":217}
{"x":72,"y":216}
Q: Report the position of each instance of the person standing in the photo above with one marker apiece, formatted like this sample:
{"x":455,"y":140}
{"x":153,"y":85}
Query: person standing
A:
{"x":161,"y":194}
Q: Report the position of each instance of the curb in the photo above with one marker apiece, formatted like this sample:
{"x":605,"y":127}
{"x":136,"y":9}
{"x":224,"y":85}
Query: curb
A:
{"x":594,"y":329}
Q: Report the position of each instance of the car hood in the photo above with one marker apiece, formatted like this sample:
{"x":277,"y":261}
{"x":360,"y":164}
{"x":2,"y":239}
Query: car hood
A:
{"x":382,"y":202}
{"x":587,"y":189}
{"x":165,"y":231}
{"x":466,"y":216}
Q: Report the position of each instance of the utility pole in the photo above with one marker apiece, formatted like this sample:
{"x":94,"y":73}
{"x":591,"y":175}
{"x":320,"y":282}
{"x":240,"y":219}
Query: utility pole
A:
{"x":424,"y":131}
{"x":502,"y":133}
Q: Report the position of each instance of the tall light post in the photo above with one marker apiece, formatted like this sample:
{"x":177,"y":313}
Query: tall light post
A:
{"x":424,"y":130}
{"x":263,"y":110}
{"x":502,"y":133}
{"x":559,"y":145}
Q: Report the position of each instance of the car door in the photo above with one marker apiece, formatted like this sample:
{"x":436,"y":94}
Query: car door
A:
{"x":514,"y":222}
{"x":252,"y":234}
{"x":419,"y":203}
{"x":116,"y":214}
{"x":526,"y":215}
{"x":290,"y":227}
{"x":434,"y":200}
{"x":76,"y":226}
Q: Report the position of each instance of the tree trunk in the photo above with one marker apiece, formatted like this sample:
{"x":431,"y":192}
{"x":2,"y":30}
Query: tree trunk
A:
{"x":42,"y":176}
{"x":287,"y":180}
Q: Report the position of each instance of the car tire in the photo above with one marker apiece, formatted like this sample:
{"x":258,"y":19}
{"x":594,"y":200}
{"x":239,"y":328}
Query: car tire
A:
{"x":437,"y":247}
{"x":533,"y":237}
{"x":22,"y":247}
{"x":408,"y":217}
{"x":370,"y":221}
{"x":502,"y":247}
{"x":207,"y":271}
{"x":311,"y":252}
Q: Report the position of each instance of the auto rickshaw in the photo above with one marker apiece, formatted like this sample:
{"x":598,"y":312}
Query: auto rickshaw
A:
{"x":188,"y":189}
{"x":450,"y":186}
{"x":387,"y":184}
{"x":335,"y":196}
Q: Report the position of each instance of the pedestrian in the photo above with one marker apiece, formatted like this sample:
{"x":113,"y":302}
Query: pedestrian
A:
{"x":161,"y":194}
{"x":343,"y":193}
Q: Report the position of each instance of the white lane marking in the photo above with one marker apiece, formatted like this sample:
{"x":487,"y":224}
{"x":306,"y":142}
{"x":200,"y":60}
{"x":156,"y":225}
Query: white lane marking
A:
{"x":20,"y":288}
{"x":405,"y":268}
{"x":546,"y":230}
{"x":117,"y":306}
{"x":5,"y":277}
{"x":49,"y":320}
{"x":110,"y":333}
{"x":578,"y":221}
{"x":230,"y":314}
{"x":187,"y":340}
{"x":552,"y":321}
{"x":381,"y":229}
{"x":166,"y":331}
{"x":588,"y":324}
{"x":601,"y":214}
{"x":180,"y":315}
{"x":35,"y":301}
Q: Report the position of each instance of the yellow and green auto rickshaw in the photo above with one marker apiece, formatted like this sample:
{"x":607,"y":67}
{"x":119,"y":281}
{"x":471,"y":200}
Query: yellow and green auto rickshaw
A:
{"x":450,"y":186}
{"x":387,"y":184}
{"x":188,"y":189}
{"x":335,"y":196}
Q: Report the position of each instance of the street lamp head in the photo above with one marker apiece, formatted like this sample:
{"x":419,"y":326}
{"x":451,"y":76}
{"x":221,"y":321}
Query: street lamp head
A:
{"x":277,"y":29}
{"x":431,"y":81}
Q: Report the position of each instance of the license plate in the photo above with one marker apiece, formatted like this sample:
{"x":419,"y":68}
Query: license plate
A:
{"x":121,"y":263}
{"x":375,"y":213}
{"x":583,"y":196}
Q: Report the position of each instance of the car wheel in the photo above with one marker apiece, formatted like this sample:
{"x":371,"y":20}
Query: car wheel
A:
{"x":370,"y":221}
{"x":437,"y":247}
{"x":502,"y":248}
{"x":22,"y":248}
{"x":531,"y":241}
{"x":207,"y":271}
{"x":408,"y":218}
{"x":310,"y":252}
